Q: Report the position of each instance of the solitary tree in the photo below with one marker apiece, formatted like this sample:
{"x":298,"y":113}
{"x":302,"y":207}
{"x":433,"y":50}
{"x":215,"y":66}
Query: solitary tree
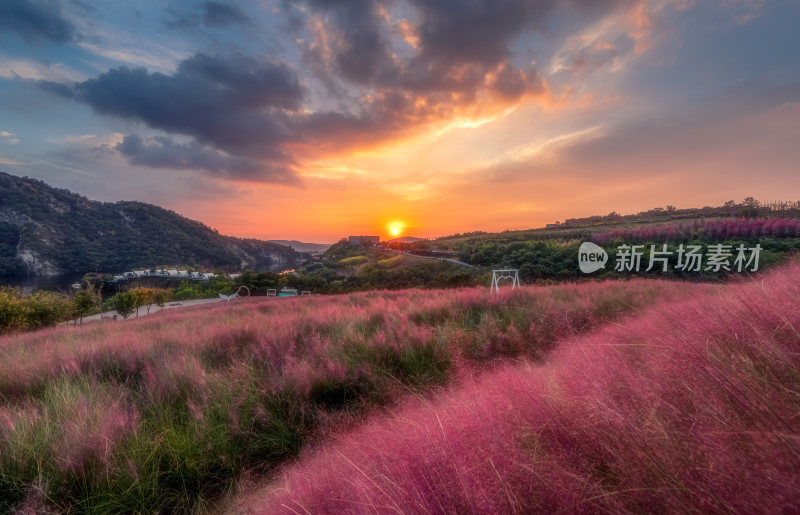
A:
{"x":87,"y":301}
{"x":161,"y":296}
{"x":83,"y":304}
{"x":124,"y":303}
{"x":144,"y":297}
{"x":750,"y":207}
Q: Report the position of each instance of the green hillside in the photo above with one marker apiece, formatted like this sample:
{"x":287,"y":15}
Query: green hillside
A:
{"x":50,"y":231}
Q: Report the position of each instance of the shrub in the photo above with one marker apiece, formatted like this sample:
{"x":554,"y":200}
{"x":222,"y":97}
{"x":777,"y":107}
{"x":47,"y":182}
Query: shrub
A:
{"x":20,"y":311}
{"x":83,"y":304}
{"x":124,"y":303}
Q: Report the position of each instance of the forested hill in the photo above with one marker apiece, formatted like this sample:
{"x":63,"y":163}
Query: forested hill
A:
{"x":49,"y":231}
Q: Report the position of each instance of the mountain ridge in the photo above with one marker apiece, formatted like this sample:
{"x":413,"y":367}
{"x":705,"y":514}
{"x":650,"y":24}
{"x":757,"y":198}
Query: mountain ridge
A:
{"x":46,"y":231}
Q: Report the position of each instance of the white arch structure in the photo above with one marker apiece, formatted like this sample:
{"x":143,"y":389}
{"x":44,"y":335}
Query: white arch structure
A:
{"x":504,"y":273}
{"x":235,"y":295}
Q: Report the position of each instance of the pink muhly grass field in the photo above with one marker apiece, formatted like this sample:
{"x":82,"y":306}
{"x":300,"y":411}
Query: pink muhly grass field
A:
{"x":691,"y":407}
{"x":166,"y":413}
{"x":736,"y":228}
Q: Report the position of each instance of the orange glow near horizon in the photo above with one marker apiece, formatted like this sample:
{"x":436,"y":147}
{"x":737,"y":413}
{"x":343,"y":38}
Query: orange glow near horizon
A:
{"x":501,"y":175}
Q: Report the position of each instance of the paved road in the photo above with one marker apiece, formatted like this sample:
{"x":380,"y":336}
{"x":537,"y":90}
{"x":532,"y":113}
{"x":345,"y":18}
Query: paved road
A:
{"x":154,"y":309}
{"x":457,"y":262}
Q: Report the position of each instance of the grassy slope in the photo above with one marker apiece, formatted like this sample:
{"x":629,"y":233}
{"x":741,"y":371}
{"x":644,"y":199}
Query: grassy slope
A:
{"x":380,"y":258}
{"x":165,"y":413}
{"x":692,"y":407}
{"x":662,"y":229}
{"x":377,"y":268}
{"x":562,"y":233}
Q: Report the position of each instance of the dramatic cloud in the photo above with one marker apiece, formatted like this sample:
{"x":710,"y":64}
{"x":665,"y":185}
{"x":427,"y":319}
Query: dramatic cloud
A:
{"x":449,"y":62}
{"x":453,"y":48}
{"x":359,"y":45}
{"x":236,"y":104}
{"x":236,"y":108}
{"x":200,"y":98}
{"x":164,"y":152}
{"x":253,"y":109}
{"x":35,"y":20}
{"x":239,"y":110}
{"x":450,"y":33}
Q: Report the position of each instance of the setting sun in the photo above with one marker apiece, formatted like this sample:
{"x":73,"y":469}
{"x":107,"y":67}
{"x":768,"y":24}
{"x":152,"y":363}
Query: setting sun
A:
{"x":396,"y":228}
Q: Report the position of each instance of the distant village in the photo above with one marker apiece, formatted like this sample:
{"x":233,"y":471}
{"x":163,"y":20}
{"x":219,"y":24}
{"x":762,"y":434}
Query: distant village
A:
{"x":180,"y":274}
{"x":364,"y":241}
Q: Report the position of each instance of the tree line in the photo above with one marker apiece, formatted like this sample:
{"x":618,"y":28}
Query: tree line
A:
{"x":28,"y":311}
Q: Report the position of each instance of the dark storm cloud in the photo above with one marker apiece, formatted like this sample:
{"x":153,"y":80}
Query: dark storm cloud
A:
{"x":234,"y":103}
{"x":457,"y":45}
{"x":164,"y":152}
{"x":482,"y":30}
{"x":35,"y":20}
{"x":479,"y":32}
{"x":238,"y":105}
{"x":222,"y":15}
{"x":57,"y":88}
{"x":363,"y":54}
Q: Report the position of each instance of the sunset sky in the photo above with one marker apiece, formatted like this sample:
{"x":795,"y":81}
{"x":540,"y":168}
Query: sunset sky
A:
{"x":316,"y":119}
